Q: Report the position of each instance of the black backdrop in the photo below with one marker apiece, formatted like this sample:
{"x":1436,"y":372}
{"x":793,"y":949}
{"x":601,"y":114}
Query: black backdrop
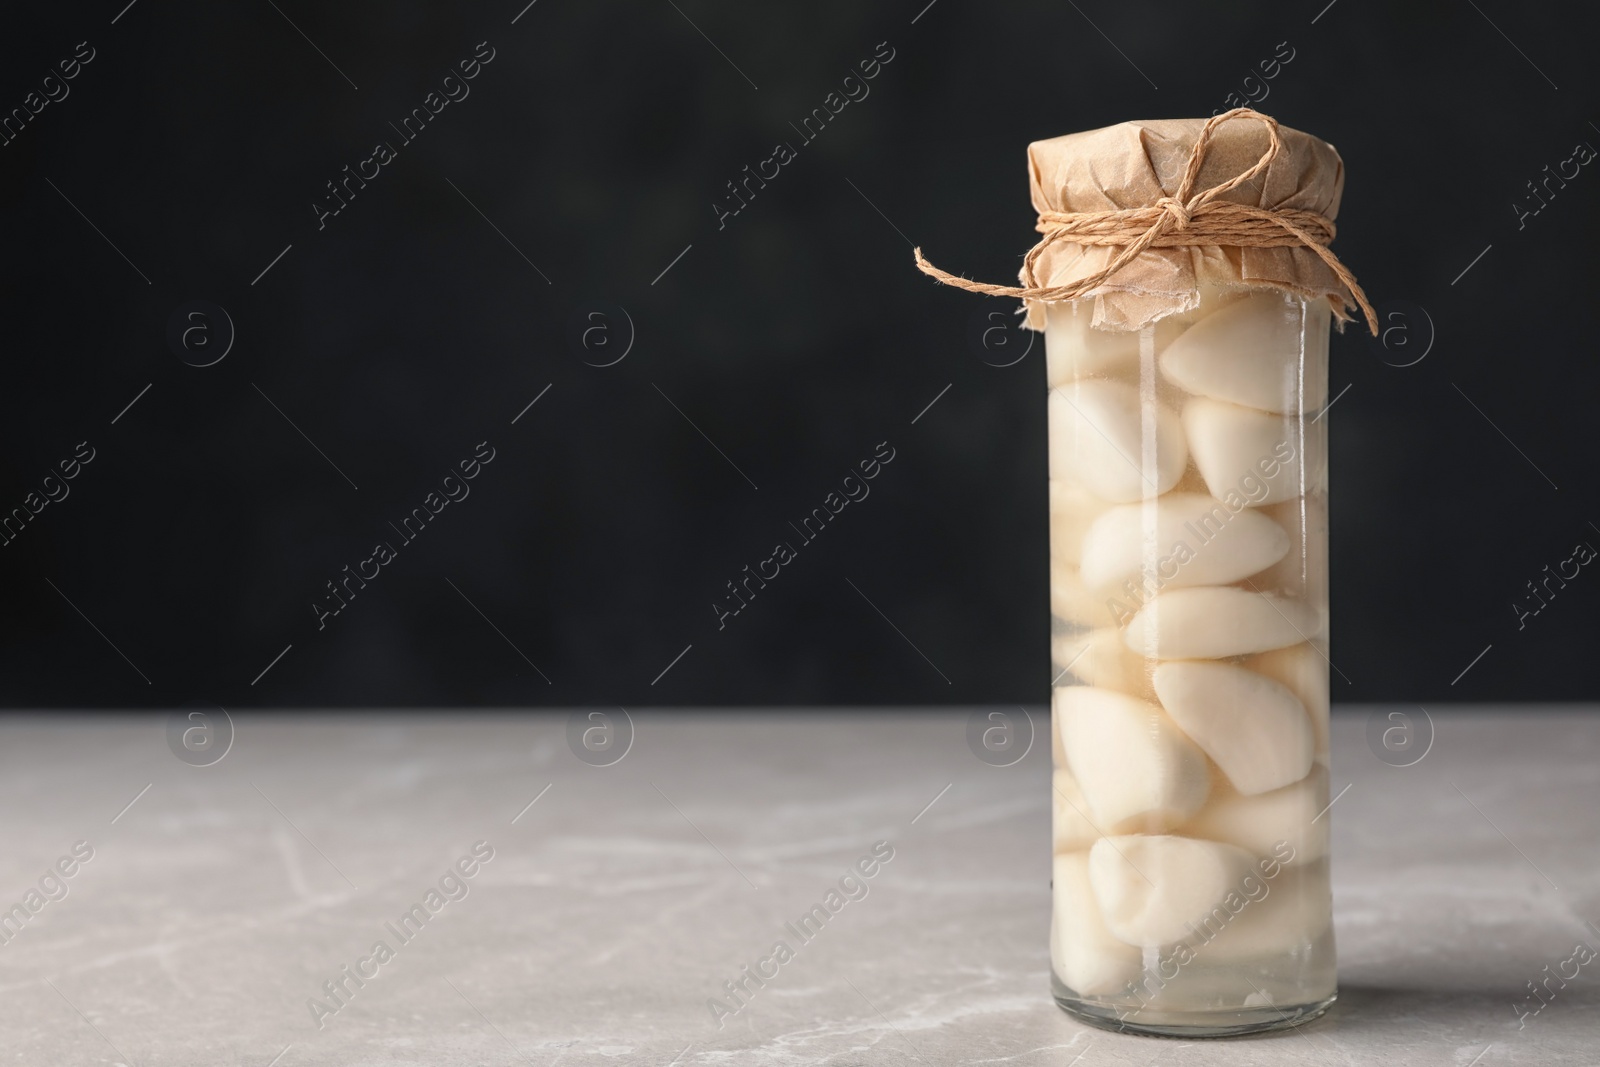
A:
{"x":562,"y":205}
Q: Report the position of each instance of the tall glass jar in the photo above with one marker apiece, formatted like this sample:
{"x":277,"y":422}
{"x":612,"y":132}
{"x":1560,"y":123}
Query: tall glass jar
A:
{"x":1189,"y":594}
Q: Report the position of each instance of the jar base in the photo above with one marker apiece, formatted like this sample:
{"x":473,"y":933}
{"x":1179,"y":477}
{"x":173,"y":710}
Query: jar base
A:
{"x":1219,"y":1023}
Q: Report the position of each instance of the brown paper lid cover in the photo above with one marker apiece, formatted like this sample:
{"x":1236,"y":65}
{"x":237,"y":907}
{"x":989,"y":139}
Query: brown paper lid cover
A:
{"x":1134,"y":164}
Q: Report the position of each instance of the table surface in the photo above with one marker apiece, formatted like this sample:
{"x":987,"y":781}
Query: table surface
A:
{"x":217,"y":905}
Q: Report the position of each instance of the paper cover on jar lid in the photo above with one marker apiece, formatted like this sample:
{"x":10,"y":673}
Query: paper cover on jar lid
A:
{"x":1143,"y":253}
{"x":1135,"y":164}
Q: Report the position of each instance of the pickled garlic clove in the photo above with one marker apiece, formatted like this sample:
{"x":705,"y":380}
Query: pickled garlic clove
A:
{"x":1248,"y":353}
{"x":1072,"y":510}
{"x":1155,"y":889}
{"x":1305,"y":671}
{"x":1136,"y":769}
{"x":1263,"y":824}
{"x":1085,"y":955}
{"x":1073,"y":349}
{"x":1303,"y":570}
{"x":1179,"y":539}
{"x":1247,"y":457}
{"x":1278,"y":917}
{"x":1215,"y":622}
{"x":1097,"y":440}
{"x":1252,"y":727}
{"x":1073,"y":601}
{"x":1101,"y":658}
{"x":1070,"y":823}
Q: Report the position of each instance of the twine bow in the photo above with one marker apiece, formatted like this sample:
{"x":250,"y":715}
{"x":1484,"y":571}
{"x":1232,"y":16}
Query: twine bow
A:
{"x":1182,"y":220}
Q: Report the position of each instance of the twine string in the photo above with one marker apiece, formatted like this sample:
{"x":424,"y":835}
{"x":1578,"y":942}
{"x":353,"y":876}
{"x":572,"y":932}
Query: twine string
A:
{"x":1182,"y":220}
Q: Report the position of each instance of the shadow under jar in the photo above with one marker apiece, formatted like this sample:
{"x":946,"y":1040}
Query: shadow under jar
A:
{"x":1189,"y":595}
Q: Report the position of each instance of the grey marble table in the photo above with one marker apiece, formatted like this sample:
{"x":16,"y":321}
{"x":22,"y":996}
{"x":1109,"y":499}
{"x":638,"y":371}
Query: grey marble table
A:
{"x":221,"y":906}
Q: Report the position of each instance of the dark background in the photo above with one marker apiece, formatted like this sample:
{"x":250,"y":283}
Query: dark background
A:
{"x":796,"y":338}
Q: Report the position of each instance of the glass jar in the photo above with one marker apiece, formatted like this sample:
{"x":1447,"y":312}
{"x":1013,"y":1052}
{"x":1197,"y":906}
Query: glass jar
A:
{"x":1189,"y":595}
